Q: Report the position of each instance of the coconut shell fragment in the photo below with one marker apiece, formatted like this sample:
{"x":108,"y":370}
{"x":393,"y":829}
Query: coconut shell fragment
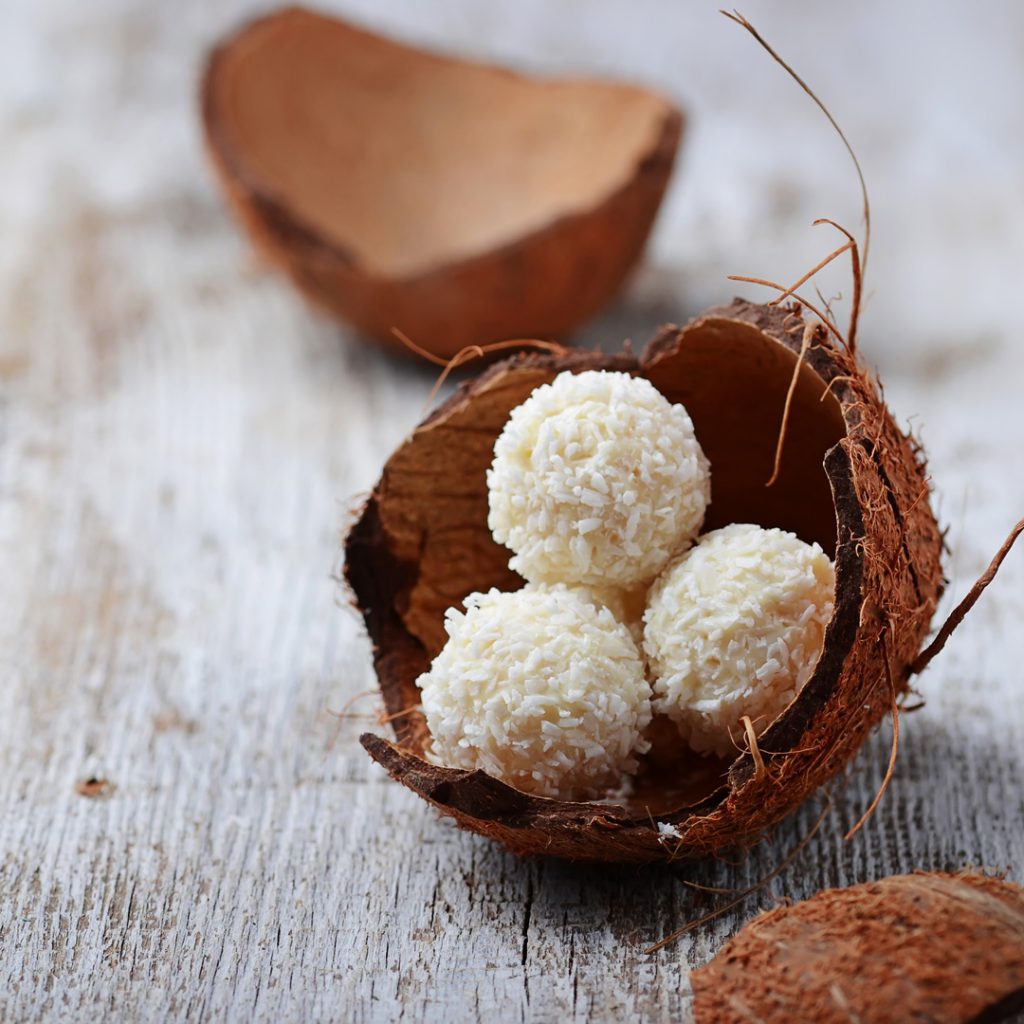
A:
{"x":457,"y":202}
{"x":941,"y":948}
{"x":849,"y":479}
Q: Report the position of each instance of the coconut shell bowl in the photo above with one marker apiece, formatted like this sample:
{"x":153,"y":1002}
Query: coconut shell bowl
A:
{"x":458,"y":203}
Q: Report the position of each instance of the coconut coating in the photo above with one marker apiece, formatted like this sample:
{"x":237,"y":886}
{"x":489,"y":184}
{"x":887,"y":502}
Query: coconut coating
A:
{"x":597,"y":479}
{"x":627,"y":606}
{"x":734,"y":627}
{"x":540,"y":688}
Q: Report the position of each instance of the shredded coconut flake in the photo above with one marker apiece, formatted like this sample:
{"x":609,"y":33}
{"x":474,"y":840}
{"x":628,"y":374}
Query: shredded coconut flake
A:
{"x":540,"y":688}
{"x":734,"y":627}
{"x":666,"y":830}
{"x":597,"y":479}
{"x":626,"y":605}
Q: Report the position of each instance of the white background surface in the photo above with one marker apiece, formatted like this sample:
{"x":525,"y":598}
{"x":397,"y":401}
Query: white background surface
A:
{"x":181,"y":438}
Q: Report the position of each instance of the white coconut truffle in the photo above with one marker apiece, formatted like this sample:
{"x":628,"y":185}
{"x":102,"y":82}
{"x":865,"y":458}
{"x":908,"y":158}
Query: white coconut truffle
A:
{"x":734,"y":627}
{"x":597,"y":479}
{"x":627,"y":606}
{"x":539,"y":688}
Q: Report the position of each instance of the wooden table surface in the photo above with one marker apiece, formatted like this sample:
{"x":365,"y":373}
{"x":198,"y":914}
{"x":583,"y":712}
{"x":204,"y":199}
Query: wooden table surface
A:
{"x":182,"y":440}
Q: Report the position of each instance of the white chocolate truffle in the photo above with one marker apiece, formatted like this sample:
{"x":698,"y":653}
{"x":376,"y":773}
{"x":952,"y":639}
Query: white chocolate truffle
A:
{"x":539,"y":688}
{"x":734,"y":627}
{"x":597,"y":479}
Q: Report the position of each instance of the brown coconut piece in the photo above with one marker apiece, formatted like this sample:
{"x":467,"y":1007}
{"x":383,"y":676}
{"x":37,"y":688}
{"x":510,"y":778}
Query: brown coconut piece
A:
{"x":947,"y":949}
{"x":457,"y":202}
{"x":849,"y":479}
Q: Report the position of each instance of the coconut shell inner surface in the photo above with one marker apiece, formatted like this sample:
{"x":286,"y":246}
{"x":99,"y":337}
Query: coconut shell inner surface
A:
{"x":459,"y":203}
{"x":948,"y":949}
{"x":405,"y":159}
{"x":849,"y":481}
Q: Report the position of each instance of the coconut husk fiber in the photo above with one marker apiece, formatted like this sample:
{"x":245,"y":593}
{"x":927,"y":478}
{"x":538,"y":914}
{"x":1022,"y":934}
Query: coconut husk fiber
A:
{"x":849,"y":479}
{"x":942,"y":948}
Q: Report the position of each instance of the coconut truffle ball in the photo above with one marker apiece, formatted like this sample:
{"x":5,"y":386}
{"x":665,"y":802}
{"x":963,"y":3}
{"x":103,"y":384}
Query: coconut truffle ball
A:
{"x":627,"y":606}
{"x":734,"y":627}
{"x":597,"y":479}
{"x":539,"y":688}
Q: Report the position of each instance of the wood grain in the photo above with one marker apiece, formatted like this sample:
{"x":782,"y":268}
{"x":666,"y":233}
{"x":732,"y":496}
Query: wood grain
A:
{"x":180,"y":441}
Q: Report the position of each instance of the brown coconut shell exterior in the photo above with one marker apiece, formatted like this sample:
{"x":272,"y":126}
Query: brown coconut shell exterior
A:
{"x":850,"y":479}
{"x":290,"y":112}
{"x":947,"y":949}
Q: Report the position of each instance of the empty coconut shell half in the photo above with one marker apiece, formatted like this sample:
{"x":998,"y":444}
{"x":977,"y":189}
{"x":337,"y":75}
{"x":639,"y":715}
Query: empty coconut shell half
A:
{"x":849,"y":479}
{"x":459,"y":203}
{"x":948,"y":949}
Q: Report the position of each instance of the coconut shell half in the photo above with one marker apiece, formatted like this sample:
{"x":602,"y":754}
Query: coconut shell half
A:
{"x":460,"y":203}
{"x":849,"y":479}
{"x":947,"y":949}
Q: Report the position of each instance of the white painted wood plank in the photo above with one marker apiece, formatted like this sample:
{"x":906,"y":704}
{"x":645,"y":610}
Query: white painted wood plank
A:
{"x":180,"y":439}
